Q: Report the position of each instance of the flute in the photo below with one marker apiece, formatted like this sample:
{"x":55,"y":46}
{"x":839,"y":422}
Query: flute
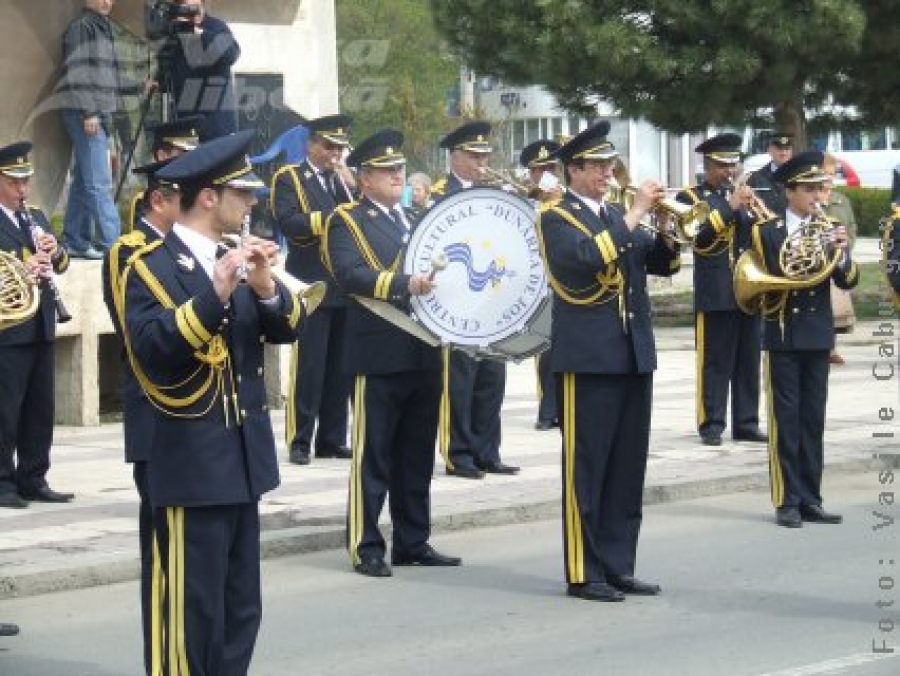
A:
{"x":62,"y":313}
{"x":243,"y":269}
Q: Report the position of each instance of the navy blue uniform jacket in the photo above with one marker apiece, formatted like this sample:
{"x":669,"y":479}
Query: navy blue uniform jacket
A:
{"x":609,"y":332}
{"x":42,"y":327}
{"x":803,"y":319}
{"x":365,"y":250}
{"x":174,"y":324}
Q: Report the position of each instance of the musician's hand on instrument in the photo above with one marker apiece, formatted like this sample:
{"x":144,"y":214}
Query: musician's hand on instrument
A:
{"x":420,"y":285}
{"x":225,"y":277}
{"x":741,"y":198}
{"x":841,"y":241}
{"x":38,"y":265}
{"x":647,"y":195}
{"x":259,"y":256}
{"x":48,"y":244}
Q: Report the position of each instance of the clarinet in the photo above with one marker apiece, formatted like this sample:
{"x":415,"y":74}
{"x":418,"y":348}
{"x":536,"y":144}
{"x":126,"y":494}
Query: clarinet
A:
{"x":62,"y":313}
{"x":243,"y":269}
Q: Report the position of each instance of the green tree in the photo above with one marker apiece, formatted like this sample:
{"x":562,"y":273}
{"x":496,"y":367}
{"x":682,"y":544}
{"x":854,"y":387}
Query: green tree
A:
{"x":393,"y":72}
{"x":681,"y":64}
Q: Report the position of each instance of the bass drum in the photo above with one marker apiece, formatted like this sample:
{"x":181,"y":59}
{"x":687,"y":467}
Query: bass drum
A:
{"x":492,"y":299}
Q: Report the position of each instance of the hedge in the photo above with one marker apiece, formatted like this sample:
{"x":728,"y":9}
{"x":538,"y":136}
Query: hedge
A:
{"x":869,"y":206}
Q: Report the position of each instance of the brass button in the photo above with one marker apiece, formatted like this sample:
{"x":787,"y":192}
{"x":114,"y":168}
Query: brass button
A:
{"x":239,"y":379}
{"x":630,"y":315}
{"x":265,"y":407}
{"x":243,"y":413}
{"x":262,"y":339}
{"x":812,"y":293}
{"x":629,"y":245}
{"x":259,"y":371}
{"x":796,"y":310}
{"x":225,"y":321}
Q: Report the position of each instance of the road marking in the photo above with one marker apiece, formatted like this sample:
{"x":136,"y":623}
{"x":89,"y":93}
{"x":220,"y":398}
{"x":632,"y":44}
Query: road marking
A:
{"x":834,"y":666}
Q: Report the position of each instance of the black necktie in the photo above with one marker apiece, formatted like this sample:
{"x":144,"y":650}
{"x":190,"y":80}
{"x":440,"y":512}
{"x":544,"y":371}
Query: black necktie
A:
{"x":328,"y":179}
{"x":25,"y":227}
{"x":398,"y":221}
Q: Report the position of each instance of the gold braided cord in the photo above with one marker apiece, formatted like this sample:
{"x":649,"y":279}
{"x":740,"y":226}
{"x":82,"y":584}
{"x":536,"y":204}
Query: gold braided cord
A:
{"x":609,"y":283}
{"x":298,"y":188}
{"x":361,"y":242}
{"x":214,"y":362}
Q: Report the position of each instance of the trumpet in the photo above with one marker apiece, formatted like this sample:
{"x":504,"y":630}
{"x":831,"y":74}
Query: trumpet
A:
{"x":688,"y":218}
{"x":758,"y":209}
{"x":498,"y":179}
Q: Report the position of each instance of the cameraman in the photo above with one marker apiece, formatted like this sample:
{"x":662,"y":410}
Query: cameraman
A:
{"x":200,"y":67}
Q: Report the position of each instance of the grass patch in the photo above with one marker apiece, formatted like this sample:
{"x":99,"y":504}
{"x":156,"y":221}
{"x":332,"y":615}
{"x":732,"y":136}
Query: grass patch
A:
{"x":869,"y":298}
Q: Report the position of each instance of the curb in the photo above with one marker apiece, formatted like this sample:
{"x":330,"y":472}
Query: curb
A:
{"x":279,"y":538}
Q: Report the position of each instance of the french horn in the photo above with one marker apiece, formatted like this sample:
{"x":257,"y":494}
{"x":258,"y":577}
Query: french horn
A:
{"x":19,"y":295}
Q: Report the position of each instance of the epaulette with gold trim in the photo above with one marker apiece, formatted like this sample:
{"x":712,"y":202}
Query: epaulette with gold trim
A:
{"x":439,"y":187}
{"x":133,"y":240}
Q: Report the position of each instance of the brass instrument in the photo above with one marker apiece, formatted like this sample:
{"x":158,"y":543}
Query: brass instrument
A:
{"x":491,"y":178}
{"x":688,"y":217}
{"x":803,"y":256}
{"x":20,"y":297}
{"x":310,"y":295}
{"x":758,"y":209}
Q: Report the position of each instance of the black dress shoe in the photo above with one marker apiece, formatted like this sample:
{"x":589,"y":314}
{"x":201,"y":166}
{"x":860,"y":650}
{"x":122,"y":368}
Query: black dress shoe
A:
{"x":465,"y":472}
{"x":751,"y":435}
{"x":630,"y":585}
{"x":9,"y":629}
{"x":373,"y":567}
{"x":45,"y":494}
{"x":815,"y":514}
{"x":711,"y":439}
{"x":543,"y":425}
{"x":427,"y":557}
{"x":789,"y":517}
{"x":595,"y":591}
{"x":497,"y":468}
{"x":331,"y":451}
{"x":13,"y":501}
{"x":298,"y":455}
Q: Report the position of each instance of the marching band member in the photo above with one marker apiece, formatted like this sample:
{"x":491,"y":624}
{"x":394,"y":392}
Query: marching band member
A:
{"x":539,"y":159}
{"x":770,"y":191}
{"x":398,"y":382}
{"x":603,"y":356}
{"x":195,"y":337}
{"x":727,"y":340}
{"x":891,"y":252}
{"x":470,"y":427}
{"x":303,"y":197}
{"x":798,"y":336}
{"x":160,"y":210}
{"x":27,"y":400}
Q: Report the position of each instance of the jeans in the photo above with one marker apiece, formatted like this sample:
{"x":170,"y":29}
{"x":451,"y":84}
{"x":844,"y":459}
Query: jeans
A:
{"x":90,"y":194}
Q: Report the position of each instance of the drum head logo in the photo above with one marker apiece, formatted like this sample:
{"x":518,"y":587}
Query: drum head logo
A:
{"x":491,"y":277}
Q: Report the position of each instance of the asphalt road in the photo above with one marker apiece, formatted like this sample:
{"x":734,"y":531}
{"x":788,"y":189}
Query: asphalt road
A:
{"x":742,"y":597}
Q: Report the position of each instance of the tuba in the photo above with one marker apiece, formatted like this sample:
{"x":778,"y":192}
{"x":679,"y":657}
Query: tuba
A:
{"x":804,"y":257}
{"x":19,"y":294}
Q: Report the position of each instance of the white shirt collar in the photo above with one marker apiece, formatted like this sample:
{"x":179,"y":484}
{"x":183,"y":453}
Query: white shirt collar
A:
{"x":395,"y":210}
{"x":792,"y":221}
{"x":465,"y":184}
{"x":11,"y":214}
{"x":153,"y":227}
{"x":592,"y":203}
{"x":201,"y":246}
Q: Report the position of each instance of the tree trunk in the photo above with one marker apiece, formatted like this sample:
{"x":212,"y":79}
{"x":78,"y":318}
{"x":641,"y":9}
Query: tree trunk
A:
{"x":790,"y":117}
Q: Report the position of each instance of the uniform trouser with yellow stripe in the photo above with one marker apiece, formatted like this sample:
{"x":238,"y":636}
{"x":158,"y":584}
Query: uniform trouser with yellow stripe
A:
{"x":320,"y":387}
{"x":798,"y":392}
{"x":212,"y":605}
{"x":470,"y":416}
{"x":151,"y":572}
{"x":395,"y":420}
{"x":728,"y":349}
{"x":605,"y":422}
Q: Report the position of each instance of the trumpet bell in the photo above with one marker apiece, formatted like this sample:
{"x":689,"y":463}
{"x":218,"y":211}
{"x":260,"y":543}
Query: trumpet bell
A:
{"x":688,"y":217}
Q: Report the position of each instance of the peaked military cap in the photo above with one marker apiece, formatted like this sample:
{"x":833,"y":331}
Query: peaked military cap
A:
{"x":808,"y":167}
{"x":539,"y":154}
{"x":473,"y":137}
{"x":222,"y":161}
{"x":183,"y":133}
{"x":381,"y":149}
{"x":332,"y":128}
{"x":15,"y":160}
{"x":723,"y":148}
{"x":590,"y":144}
{"x":781,"y":139}
{"x":149,"y":172}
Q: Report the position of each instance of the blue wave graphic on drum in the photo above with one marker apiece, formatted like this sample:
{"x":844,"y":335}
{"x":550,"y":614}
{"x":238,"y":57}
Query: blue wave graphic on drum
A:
{"x":478,"y":281}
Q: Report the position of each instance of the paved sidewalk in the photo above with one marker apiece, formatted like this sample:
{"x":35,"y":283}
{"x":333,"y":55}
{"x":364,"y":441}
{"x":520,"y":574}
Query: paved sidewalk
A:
{"x":94,"y":541}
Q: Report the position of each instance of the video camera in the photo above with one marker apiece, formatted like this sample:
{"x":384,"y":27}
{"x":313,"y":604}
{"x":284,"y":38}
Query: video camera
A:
{"x":165,"y":19}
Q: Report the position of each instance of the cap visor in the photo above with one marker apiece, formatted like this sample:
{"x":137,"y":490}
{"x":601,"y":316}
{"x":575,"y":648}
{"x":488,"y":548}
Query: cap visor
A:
{"x":248,"y":181}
